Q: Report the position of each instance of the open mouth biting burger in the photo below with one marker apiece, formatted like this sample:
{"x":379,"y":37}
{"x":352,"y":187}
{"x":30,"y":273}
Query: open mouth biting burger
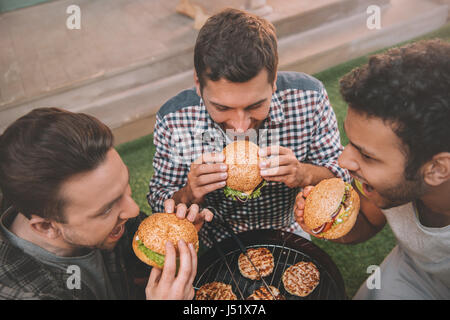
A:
{"x":244,"y":181}
{"x":331,"y":209}
{"x":154,"y":231}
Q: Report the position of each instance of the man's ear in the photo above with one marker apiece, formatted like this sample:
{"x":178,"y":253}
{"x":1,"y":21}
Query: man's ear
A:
{"x":44,"y":227}
{"x":437,"y":170}
{"x":197,"y":84}
{"x":274,"y":86}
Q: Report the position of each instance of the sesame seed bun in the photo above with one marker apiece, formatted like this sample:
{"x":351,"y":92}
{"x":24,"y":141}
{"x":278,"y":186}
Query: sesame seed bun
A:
{"x":155,"y":230}
{"x":343,"y":228}
{"x":324,"y":200}
{"x":243,"y":171}
{"x":141,"y":255}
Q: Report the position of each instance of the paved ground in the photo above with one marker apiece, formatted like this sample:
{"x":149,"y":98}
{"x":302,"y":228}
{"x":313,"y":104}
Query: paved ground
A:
{"x":38,"y":54}
{"x":130,"y":56}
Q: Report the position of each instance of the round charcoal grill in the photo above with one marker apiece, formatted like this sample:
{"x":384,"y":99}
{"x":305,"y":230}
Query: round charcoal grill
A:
{"x":287,"y":249}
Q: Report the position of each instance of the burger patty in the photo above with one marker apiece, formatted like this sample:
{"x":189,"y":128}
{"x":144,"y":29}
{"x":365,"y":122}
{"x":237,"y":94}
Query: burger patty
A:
{"x":215,"y":291}
{"x":301,"y":278}
{"x":348,"y":195}
{"x":264,"y":294}
{"x":261,"y":257}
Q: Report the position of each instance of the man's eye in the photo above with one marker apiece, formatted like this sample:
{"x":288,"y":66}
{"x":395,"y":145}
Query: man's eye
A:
{"x":254,"y":107}
{"x":221,"y":108}
{"x":366,"y":156}
{"x":108,"y":210}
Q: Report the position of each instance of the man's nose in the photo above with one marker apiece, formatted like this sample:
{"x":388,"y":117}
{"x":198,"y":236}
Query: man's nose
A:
{"x":131,"y":209}
{"x":242,"y":122}
{"x":347,"y":159}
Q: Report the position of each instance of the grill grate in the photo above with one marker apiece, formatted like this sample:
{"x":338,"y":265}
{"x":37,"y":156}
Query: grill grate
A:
{"x":295,"y":249}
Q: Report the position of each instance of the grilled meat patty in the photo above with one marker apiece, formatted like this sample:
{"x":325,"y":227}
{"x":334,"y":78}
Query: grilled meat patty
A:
{"x":261,"y":257}
{"x":301,"y":278}
{"x":215,"y":291}
{"x":264,"y":294}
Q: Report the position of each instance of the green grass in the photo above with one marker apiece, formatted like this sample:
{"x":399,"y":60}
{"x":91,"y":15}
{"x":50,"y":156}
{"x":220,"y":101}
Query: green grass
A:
{"x":138,"y":156}
{"x":352,"y":260}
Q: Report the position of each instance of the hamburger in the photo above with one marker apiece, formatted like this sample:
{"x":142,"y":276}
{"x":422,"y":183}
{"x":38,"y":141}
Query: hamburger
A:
{"x":149,"y":241}
{"x":244,"y":181}
{"x":331,"y":209}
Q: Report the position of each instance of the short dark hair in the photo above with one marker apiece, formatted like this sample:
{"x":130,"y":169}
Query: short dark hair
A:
{"x":44,"y":148}
{"x":235,"y":45}
{"x":409,"y":88}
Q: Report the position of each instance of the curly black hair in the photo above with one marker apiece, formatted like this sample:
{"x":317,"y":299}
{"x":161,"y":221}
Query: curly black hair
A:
{"x":409,"y":88}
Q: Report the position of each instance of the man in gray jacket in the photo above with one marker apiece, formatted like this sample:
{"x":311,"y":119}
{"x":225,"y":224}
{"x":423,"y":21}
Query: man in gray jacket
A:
{"x":69,"y":220}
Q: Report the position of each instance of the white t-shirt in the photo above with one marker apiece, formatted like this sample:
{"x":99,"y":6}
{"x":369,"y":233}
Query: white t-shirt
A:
{"x":419,"y":265}
{"x":428,"y":248}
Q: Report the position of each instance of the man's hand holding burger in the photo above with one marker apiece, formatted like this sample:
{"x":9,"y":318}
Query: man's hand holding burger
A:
{"x":283,"y":166}
{"x":172,"y":283}
{"x":299,"y":208}
{"x":207,"y":174}
{"x":192,"y":214}
{"x":329,"y":210}
{"x":166,"y":283}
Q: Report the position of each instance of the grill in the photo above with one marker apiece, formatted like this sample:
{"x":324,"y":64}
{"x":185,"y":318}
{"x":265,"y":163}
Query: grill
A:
{"x":287,"y":249}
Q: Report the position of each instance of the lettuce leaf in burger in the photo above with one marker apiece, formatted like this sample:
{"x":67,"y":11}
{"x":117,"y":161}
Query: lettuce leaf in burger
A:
{"x":154,"y":231}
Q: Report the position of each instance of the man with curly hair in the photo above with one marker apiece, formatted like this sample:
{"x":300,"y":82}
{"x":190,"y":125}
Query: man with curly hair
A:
{"x":398,"y":125}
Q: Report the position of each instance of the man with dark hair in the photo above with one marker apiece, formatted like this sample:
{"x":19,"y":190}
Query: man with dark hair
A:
{"x":399,"y":155}
{"x":239,"y":92}
{"x":67,"y":229}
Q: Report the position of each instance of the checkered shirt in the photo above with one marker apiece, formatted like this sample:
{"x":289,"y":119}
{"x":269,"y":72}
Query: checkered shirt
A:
{"x":24,"y":277}
{"x":300,"y":118}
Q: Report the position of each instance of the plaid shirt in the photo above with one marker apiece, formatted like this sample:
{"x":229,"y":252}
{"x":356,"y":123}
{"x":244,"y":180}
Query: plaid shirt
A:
{"x":300,"y":118}
{"x":22,"y":277}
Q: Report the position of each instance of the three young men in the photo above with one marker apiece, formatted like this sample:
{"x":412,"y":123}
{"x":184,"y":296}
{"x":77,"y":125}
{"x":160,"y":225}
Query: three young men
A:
{"x":69,"y":201}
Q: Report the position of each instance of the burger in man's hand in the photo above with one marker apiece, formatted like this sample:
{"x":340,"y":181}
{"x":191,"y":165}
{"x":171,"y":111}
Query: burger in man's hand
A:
{"x":244,"y":181}
{"x":331,"y":209}
{"x":153,"y":233}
